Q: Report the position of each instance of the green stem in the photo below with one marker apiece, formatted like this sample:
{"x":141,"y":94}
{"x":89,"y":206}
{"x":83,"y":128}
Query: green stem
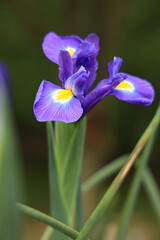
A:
{"x":47,"y":220}
{"x":110,"y":193}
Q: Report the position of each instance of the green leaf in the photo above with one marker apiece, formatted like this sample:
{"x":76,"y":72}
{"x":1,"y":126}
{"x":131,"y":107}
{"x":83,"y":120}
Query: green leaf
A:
{"x":54,"y":223}
{"x":98,"y":177}
{"x":153,"y":192}
{"x":47,"y":233}
{"x":112,"y":190}
{"x":72,"y":165}
{"x":65,"y":159}
{"x":104,"y":173}
{"x":134,"y":190}
{"x":58,"y":207}
{"x":79,"y":209}
{"x":63,"y":136}
{"x":10,"y":172}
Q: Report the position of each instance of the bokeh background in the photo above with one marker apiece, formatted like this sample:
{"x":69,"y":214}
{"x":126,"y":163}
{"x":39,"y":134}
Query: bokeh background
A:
{"x":127,"y":28}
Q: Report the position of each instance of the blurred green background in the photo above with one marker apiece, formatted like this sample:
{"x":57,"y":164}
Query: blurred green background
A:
{"x":127,"y":28}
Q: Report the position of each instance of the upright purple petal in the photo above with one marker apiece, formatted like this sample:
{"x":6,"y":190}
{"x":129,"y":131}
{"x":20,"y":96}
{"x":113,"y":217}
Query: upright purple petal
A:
{"x":87,"y":57}
{"x":50,"y":106}
{"x":85,"y":50}
{"x":53,"y":44}
{"x":71,"y":40}
{"x":135,"y":90}
{"x":65,"y":66}
{"x":93,"y":38}
{"x":76,"y":82}
{"x":114,"y":66}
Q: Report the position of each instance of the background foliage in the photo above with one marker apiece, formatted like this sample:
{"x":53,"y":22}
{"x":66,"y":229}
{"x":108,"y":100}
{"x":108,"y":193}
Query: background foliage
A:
{"x":129,"y":29}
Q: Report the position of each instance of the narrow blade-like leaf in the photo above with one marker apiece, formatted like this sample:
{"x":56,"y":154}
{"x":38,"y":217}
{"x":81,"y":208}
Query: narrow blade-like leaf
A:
{"x":153,"y":192}
{"x":134,"y":190}
{"x":110,"y":193}
{"x":72,"y":165}
{"x":104,"y":173}
{"x":58,"y":209}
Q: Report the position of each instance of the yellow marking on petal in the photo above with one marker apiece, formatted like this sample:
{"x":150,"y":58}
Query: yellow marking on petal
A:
{"x":71,"y":50}
{"x":124,"y":86}
{"x":63,"y":95}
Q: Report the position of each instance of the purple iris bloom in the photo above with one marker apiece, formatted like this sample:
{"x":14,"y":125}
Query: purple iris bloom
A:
{"x":71,"y":102}
{"x":62,"y":103}
{"x":83,"y":52}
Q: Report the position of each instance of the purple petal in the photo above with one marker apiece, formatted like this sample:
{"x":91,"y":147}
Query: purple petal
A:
{"x":87,"y":57}
{"x":53,"y":43}
{"x":135,"y":90}
{"x":76,"y":82}
{"x":85,"y":50}
{"x":102,"y":90}
{"x":114,"y":66}
{"x":65,"y":66}
{"x":93,"y":38}
{"x":71,"y":40}
{"x":47,"y":107}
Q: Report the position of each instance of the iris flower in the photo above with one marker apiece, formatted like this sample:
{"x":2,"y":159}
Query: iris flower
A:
{"x":77,"y":72}
{"x":83,"y":52}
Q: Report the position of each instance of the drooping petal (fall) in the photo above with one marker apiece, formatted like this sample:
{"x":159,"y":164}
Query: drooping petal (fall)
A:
{"x":135,"y":90}
{"x":53,"y":103}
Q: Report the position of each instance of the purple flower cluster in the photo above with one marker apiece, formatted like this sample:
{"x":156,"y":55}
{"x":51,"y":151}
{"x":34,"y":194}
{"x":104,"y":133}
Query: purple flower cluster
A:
{"x":77,"y":60}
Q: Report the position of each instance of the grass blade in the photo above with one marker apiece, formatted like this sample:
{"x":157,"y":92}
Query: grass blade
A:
{"x":63,"y":136}
{"x":72,"y":165}
{"x":104,"y":173}
{"x":79,"y":209}
{"x":134,"y":190}
{"x":153,"y":192}
{"x":97,"y":178}
{"x":65,"y":159}
{"x":110,"y":193}
{"x":58,"y":208}
{"x":42,"y":217}
{"x":47,"y":233}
